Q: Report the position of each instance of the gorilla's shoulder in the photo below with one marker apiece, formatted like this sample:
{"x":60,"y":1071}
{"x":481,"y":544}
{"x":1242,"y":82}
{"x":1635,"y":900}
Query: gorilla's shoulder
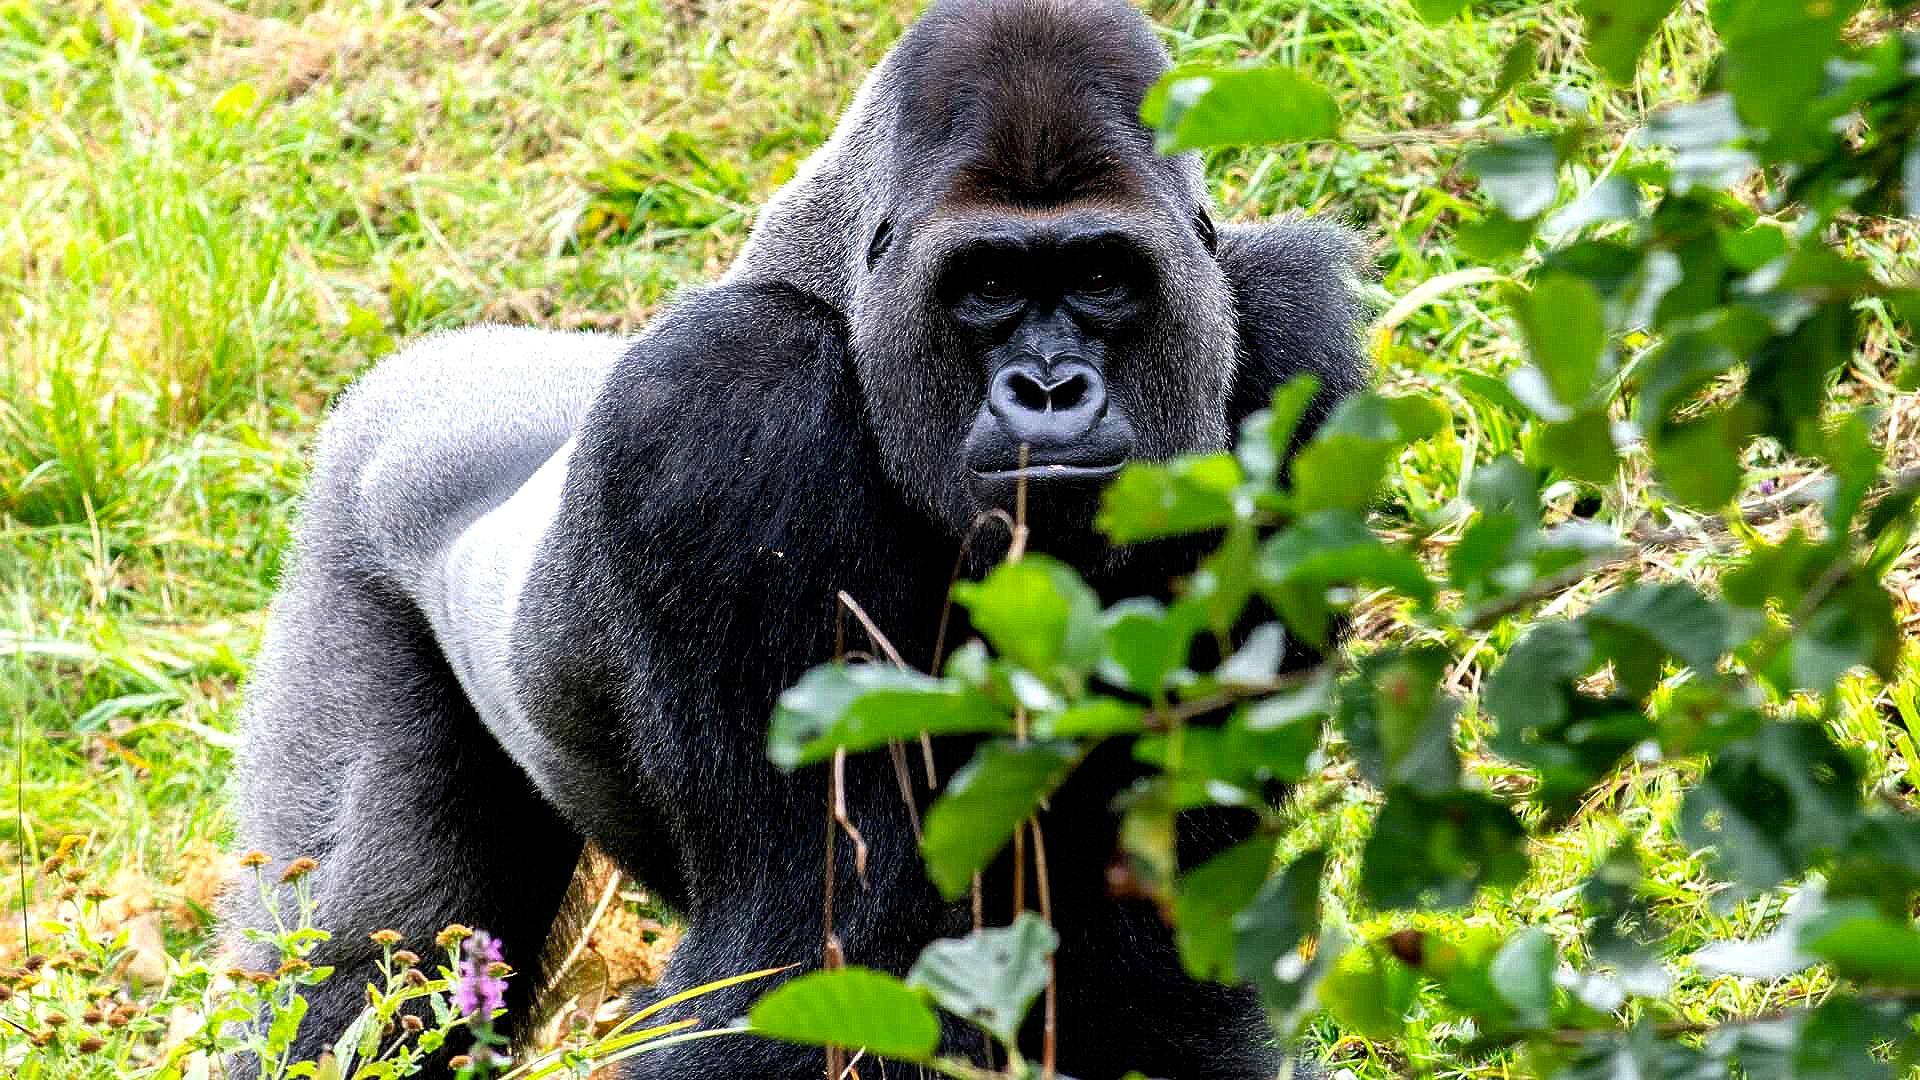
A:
{"x":1296,"y":283}
{"x":739,"y":388}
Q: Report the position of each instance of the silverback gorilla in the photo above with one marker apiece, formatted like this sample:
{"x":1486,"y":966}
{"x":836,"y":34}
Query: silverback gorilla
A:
{"x":547,"y":586}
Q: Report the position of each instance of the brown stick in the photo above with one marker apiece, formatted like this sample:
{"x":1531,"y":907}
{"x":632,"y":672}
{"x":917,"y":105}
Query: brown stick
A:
{"x":1049,"y":1037}
{"x":901,"y":773}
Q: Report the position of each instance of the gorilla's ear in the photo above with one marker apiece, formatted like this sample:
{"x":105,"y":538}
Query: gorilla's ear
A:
{"x":1295,"y":287}
{"x":882,"y":240}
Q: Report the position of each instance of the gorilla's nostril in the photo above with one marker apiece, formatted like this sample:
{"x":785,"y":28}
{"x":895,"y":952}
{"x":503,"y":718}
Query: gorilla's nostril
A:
{"x":1028,"y":393}
{"x":1068,"y":393}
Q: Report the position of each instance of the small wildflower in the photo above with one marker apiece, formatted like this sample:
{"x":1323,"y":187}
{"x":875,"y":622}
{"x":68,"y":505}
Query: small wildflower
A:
{"x":254,"y":859}
{"x":414,"y":978}
{"x":92,"y":1015}
{"x":54,"y":1019}
{"x":407,"y":958}
{"x":67,"y":893}
{"x":95,"y":893}
{"x":35,"y":962}
{"x":459,"y":1061}
{"x":479,"y":990}
{"x":413,"y":1023}
{"x":117,"y":1019}
{"x":293,"y":965}
{"x":74,"y":874}
{"x":92,"y":1044}
{"x":386,"y":939}
{"x":454,"y":934}
{"x":260,"y":978}
{"x":298,"y":869}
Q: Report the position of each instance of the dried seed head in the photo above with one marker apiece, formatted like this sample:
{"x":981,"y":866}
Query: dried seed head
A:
{"x":406,"y":958}
{"x":92,"y":1015}
{"x":413,"y":1023}
{"x":499,"y":969}
{"x":298,"y":869}
{"x":92,"y":1044}
{"x":414,"y":978}
{"x":293,"y":965}
{"x":54,"y":1019}
{"x":459,"y":1061}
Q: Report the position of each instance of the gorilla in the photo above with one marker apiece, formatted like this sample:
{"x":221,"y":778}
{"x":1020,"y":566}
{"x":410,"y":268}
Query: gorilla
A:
{"x":546,"y":587}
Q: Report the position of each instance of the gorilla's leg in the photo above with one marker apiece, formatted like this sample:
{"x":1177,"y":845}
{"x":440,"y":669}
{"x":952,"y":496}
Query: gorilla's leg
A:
{"x":363,"y":754}
{"x":1126,"y":1004}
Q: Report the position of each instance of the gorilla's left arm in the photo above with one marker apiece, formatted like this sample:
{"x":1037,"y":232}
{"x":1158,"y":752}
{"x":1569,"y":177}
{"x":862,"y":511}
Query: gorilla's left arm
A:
{"x":1295,"y":288}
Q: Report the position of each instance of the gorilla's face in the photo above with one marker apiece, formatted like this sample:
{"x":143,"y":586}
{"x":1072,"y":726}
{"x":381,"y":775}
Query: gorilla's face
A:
{"x":1045,"y":349}
{"x":1040,"y":302}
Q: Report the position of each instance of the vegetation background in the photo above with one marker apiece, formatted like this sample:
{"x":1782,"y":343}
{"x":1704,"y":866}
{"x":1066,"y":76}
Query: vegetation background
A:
{"x":214,"y":215}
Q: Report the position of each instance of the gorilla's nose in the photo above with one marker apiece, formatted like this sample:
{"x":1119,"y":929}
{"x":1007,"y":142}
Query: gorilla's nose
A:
{"x":1050,"y":406}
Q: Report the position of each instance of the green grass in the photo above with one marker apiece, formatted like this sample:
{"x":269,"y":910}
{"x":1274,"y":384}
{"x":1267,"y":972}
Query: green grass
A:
{"x":211,"y":220}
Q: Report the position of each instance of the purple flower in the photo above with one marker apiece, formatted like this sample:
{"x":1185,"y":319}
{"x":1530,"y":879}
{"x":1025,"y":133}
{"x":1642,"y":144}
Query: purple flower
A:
{"x":478,"y":992}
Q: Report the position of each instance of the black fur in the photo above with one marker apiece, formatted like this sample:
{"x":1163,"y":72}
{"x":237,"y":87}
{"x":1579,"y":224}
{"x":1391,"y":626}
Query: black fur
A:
{"x":764,"y":444}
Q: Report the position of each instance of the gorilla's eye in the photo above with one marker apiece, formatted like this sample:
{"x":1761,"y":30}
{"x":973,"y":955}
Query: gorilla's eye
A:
{"x":1099,"y":283}
{"x":995,"y":289}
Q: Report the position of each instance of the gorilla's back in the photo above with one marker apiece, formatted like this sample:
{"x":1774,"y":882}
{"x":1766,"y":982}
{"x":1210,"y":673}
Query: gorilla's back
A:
{"x":426,"y":455}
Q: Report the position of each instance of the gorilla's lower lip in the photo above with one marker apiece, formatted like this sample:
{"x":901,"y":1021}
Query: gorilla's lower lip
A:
{"x":1048,"y":473}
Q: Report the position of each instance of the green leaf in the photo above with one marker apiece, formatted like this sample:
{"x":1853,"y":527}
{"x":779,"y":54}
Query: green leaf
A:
{"x":1143,"y":643}
{"x":1191,"y":108}
{"x":1582,"y":447}
{"x":1673,"y":618}
{"x":1618,"y":29}
{"x":1521,"y":64}
{"x":1566,"y":330}
{"x":1437,"y":851}
{"x":1191,"y":494}
{"x":1038,"y":614}
{"x":851,"y":1007}
{"x":1522,"y":973}
{"x":1775,"y":57}
{"x":1439,"y":10}
{"x":1571,"y":738}
{"x":1370,"y":993}
{"x":1521,"y":175}
{"x":1344,"y":465}
{"x":987,"y":799}
{"x":864,"y":706}
{"x":1770,"y":805}
{"x":1209,"y":897}
{"x":1706,"y":138}
{"x":1268,"y":933}
{"x":1269,"y":435}
{"x":1699,"y":460}
{"x":1093,"y":719}
{"x":1866,"y":946}
{"x":1837,"y":1040}
{"x":1400,"y":722}
{"x":991,"y":976}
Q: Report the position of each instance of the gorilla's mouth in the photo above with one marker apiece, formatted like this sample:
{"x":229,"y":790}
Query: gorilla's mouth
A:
{"x":1050,"y":473}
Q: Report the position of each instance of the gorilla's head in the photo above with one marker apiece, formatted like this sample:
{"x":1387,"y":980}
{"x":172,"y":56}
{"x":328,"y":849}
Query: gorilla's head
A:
{"x":1026,"y":279}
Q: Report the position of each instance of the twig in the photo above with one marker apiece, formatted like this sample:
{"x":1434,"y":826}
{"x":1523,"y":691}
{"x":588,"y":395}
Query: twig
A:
{"x":586,"y":933}
{"x":1049,"y":1036}
{"x":894,"y":750}
{"x":946,"y":618}
{"x":840,"y":814}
